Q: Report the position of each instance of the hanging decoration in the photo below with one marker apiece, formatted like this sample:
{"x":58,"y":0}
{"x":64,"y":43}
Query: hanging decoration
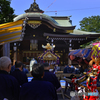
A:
{"x":34,"y":24}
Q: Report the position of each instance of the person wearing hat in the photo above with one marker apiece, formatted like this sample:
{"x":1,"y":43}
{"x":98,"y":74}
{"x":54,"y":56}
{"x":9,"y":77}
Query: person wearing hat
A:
{"x":51,"y":77}
{"x":9,"y":87}
{"x":38,"y":89}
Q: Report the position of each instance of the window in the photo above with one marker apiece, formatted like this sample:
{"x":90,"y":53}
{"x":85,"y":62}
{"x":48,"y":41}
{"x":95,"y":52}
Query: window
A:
{"x":33,"y":45}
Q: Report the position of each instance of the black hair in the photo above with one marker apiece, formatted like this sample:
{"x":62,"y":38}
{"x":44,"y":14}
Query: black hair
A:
{"x":18,"y":64}
{"x":24,"y":65}
{"x":37,"y":70}
{"x":46,"y":64}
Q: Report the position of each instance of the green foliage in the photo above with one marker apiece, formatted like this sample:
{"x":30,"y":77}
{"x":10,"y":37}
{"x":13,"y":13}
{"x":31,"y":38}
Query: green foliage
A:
{"x":90,"y":24}
{"x":6,"y":12}
{"x":88,"y":45}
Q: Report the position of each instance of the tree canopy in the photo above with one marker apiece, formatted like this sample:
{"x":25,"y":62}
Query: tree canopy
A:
{"x":6,"y":12}
{"x":90,"y":24}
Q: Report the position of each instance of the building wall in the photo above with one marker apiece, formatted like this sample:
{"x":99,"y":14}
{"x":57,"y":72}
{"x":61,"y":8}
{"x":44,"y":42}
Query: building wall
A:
{"x":24,"y":53}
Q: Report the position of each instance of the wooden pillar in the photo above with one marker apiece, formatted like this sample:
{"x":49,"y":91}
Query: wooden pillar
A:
{"x":15,"y":57}
{"x":6,"y":49}
{"x":70,"y":48}
{"x":15,"y":53}
{"x":52,"y":42}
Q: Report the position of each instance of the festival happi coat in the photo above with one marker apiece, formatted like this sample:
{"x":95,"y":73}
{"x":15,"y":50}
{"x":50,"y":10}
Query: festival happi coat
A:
{"x":91,"y":75}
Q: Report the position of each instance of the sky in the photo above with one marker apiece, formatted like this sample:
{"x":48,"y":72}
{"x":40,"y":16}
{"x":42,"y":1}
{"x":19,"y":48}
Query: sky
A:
{"x":77,"y":9}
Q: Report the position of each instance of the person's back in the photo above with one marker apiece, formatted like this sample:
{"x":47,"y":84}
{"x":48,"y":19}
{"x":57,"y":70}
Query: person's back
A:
{"x":38,"y":89}
{"x":51,"y":77}
{"x":18,"y":74}
{"x":9,"y":87}
{"x":70,"y":69}
{"x":65,"y":69}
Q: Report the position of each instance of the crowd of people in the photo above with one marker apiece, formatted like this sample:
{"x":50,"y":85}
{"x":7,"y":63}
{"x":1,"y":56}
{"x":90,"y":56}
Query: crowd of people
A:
{"x":76,"y":69}
{"x":14,"y":83}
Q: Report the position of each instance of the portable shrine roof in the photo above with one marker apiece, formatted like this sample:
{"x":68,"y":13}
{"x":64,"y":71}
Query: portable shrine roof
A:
{"x":48,"y":55}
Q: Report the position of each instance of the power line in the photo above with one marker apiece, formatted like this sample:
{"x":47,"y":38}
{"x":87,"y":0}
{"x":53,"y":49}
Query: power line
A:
{"x":50,"y":5}
{"x":73,"y":9}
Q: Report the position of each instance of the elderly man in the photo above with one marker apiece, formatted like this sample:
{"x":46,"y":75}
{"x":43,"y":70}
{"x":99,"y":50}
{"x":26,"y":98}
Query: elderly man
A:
{"x":9,"y":87}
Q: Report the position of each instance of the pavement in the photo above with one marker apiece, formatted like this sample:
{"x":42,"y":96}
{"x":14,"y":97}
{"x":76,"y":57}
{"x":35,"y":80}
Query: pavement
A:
{"x":66,"y":95}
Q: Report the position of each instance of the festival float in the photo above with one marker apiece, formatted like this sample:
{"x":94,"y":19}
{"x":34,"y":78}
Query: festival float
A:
{"x":49,"y":55}
{"x":91,"y":89}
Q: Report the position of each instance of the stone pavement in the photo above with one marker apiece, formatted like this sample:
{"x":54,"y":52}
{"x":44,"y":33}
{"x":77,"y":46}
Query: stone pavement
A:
{"x":65,"y":98}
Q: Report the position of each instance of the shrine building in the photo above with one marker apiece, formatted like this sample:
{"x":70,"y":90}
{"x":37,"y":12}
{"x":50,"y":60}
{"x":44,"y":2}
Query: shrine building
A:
{"x":34,"y":29}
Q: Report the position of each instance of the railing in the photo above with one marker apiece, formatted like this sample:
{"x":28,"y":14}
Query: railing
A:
{"x":62,"y":76}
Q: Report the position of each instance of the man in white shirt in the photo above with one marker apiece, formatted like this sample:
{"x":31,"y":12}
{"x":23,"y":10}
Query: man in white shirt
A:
{"x":32,"y":62}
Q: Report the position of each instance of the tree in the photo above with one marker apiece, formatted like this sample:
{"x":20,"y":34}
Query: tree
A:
{"x":6,"y":12}
{"x":90,"y":24}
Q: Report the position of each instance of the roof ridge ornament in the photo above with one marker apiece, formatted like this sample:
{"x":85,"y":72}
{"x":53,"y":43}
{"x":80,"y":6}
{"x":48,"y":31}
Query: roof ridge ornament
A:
{"x":48,"y":46}
{"x":34,"y":8}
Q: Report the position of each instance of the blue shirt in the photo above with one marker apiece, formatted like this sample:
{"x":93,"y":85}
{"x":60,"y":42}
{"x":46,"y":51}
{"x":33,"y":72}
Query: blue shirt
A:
{"x":12,"y":68}
{"x":25,"y":70}
{"x":65,"y":69}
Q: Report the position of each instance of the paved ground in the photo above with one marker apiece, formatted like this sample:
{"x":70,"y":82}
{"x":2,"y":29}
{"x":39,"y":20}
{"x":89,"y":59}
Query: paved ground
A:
{"x":60,"y":97}
{"x":66,"y":95}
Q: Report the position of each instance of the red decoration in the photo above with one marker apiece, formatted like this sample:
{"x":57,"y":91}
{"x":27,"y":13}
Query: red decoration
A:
{"x":86,"y":62}
{"x":72,"y":57}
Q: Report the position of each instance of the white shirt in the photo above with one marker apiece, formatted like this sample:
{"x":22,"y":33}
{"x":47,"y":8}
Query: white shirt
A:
{"x":32,"y":62}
